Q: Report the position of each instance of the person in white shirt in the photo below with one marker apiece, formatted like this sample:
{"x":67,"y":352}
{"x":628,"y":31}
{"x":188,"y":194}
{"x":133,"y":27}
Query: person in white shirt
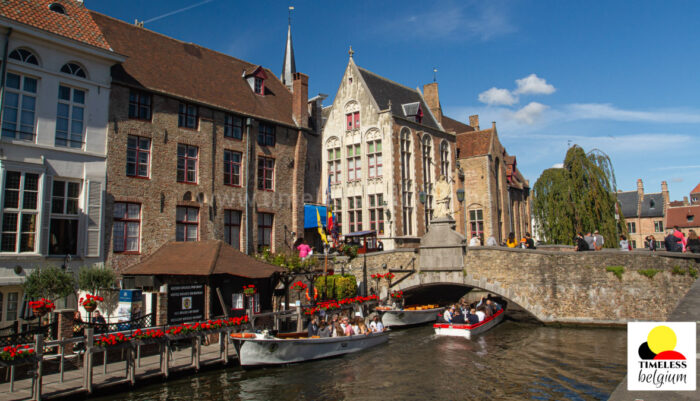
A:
{"x":474,"y":241}
{"x":447,"y":315}
{"x":481,"y":314}
{"x":491,"y":241}
{"x":376,"y":325}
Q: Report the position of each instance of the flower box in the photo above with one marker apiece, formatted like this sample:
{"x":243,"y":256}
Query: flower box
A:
{"x":19,"y":361}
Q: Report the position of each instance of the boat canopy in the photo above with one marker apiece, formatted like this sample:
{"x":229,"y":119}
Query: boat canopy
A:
{"x":361,"y":233}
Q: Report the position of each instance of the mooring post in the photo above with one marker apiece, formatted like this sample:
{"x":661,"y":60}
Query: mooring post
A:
{"x":39,"y":350}
{"x":197,"y":351}
{"x":165,"y":356}
{"x":62,"y":349}
{"x":300,"y":322}
{"x":131,"y":370}
{"x":87,"y":358}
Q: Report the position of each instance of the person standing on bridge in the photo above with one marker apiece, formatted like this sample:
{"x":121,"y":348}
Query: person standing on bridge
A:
{"x":599,"y":240}
{"x":590,"y":241}
{"x":580,"y":243}
{"x":624,"y":244}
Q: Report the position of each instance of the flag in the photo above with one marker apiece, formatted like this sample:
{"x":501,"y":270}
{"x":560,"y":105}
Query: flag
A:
{"x":320,"y":228}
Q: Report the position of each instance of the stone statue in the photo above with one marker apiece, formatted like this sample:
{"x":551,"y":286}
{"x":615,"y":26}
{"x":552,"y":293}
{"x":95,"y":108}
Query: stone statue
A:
{"x":442,"y":198}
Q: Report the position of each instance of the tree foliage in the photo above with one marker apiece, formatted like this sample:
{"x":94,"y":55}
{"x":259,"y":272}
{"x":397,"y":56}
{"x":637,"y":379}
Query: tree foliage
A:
{"x":579,"y":197}
{"x":291,"y":262}
{"x":49,"y":282}
{"x":95,"y":278}
{"x":336,"y":286}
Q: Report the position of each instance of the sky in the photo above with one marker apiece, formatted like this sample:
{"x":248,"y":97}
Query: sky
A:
{"x":619,"y":76}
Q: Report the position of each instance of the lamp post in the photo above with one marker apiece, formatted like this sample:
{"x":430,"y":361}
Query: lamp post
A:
{"x":364,"y":275}
{"x":460,"y":198}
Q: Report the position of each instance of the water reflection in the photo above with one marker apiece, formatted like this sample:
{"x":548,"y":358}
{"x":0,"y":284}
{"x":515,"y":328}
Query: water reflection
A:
{"x":515,"y":361}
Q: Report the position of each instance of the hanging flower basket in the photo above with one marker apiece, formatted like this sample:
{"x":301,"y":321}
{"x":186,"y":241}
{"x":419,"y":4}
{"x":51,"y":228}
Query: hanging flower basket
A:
{"x":89,"y":303}
{"x":41,"y":307}
{"x":249,"y":290}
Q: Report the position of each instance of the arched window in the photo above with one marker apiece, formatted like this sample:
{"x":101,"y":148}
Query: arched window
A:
{"x":74,"y":69}
{"x":445,"y":159}
{"x":25,"y":56}
{"x":428,"y":177}
{"x":57,"y":8}
{"x":406,"y":182}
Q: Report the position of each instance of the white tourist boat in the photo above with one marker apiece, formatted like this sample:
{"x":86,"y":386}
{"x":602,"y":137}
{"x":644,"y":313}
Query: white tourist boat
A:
{"x":408,"y":317}
{"x":469,"y":330}
{"x":264,"y":350}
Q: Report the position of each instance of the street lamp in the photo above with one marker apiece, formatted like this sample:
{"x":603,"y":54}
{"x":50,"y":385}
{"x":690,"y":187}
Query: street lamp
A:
{"x":421,"y":197}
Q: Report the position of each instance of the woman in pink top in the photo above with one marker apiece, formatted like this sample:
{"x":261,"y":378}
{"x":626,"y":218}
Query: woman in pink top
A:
{"x":304,"y":250}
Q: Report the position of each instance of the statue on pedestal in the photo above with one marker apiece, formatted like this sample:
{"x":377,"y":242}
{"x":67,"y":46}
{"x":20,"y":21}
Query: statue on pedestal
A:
{"x":442,"y":198}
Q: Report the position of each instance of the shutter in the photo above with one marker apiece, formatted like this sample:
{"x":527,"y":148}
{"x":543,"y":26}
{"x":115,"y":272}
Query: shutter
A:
{"x":94,"y":218}
{"x":46,"y":214}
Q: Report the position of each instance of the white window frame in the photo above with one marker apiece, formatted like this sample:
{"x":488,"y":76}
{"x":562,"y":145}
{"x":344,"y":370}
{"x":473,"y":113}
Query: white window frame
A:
{"x":64,"y":215}
{"x":20,"y":211}
{"x":21,"y":93}
{"x":71,"y":106}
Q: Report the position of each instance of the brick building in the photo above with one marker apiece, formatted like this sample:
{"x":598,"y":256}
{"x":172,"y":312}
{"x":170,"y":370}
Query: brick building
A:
{"x":685,"y":214}
{"x":203,"y":146}
{"x":644,"y":213}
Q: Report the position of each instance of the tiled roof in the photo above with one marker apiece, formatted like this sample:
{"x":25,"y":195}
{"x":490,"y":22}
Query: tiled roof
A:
{"x":678,"y":216}
{"x":189,"y":71}
{"x":75,"y":24}
{"x":385,"y":91}
{"x":474,"y":143}
{"x":628,"y":203}
{"x":653,"y":205}
{"x":201,"y":258}
{"x":696,"y":190}
{"x":450,"y":124}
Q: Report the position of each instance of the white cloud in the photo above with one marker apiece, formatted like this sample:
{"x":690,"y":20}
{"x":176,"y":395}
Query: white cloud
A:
{"x":606,"y":111}
{"x":496,"y":96}
{"x":688,"y":167}
{"x":533,"y":85}
{"x":530,"y":113}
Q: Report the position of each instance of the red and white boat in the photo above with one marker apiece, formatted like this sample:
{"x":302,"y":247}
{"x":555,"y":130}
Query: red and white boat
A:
{"x":468,"y":330}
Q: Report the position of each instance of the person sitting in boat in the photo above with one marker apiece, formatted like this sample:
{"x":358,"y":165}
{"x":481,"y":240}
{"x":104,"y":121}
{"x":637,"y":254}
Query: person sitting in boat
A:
{"x":481,"y":313}
{"x":376,"y":325}
{"x":347,"y":327}
{"x":313,"y":327}
{"x":356,"y":324}
{"x":363,"y":328}
{"x":457,"y":317}
{"x":472,"y":317}
{"x":337,"y":330}
{"x":324,"y":329}
{"x":493,"y":305}
{"x":447,"y":315}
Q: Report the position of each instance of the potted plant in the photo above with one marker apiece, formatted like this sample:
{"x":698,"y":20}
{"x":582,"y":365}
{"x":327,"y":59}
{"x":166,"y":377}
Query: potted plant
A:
{"x":41,"y":307}
{"x":89,"y":303}
{"x":16,"y":355}
{"x":299,"y":287}
{"x":249,"y":290}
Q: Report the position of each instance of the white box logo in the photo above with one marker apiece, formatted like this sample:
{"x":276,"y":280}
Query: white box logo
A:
{"x":661,"y":356}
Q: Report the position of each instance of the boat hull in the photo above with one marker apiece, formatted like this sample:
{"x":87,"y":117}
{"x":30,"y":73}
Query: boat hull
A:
{"x":466,"y":330}
{"x":274,"y":351}
{"x":397,"y":318}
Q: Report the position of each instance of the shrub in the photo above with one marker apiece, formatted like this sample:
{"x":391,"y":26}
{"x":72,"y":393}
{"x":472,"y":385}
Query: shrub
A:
{"x":678,"y":271}
{"x":648,"y":272}
{"x":693,"y":272}
{"x":49,"y":282}
{"x":95,"y":278}
{"x":616,"y":270}
{"x":336,"y":286}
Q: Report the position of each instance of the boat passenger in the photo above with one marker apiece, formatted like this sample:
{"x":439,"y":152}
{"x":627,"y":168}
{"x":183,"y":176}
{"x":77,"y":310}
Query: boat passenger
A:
{"x":347,"y":328}
{"x":495,"y":306}
{"x":481,"y":314}
{"x":313,"y":327}
{"x":447,"y":316}
{"x":324,"y":329}
{"x":363,"y":328}
{"x":337,"y":330}
{"x":356,"y":324}
{"x":472,"y":317}
{"x":457,"y":317}
{"x":376,"y":326}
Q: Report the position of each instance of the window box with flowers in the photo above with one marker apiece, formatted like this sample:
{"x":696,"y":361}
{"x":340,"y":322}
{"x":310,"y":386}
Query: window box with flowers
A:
{"x":13,"y":355}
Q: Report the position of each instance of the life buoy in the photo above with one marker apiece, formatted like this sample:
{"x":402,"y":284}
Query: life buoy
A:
{"x":308,"y":298}
{"x":242,"y":335}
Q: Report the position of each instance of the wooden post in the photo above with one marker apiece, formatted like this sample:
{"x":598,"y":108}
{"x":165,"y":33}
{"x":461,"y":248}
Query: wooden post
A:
{"x":39,"y":350}
{"x":87,"y":358}
{"x":197,"y":351}
{"x":227,"y":335}
{"x":12,"y":379}
{"x":62,"y":348}
{"x":131,"y":369}
{"x":300,"y":323}
{"x":165,"y":363}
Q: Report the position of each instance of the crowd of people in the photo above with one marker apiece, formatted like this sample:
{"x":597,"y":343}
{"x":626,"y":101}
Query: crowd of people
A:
{"x":676,"y":241}
{"x":590,"y":242}
{"x":526,"y":242}
{"x":339,"y":325}
{"x":463,"y":313}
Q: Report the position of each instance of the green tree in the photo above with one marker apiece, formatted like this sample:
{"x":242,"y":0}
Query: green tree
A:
{"x":95,"y":278}
{"x":578,"y":197}
{"x":49,"y":282}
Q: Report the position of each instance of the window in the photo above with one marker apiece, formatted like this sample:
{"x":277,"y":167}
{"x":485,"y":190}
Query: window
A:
{"x":187,"y":157}
{"x":187,"y":117}
{"x":233,"y":127}
{"x":659,"y":226}
{"x":376,"y":213}
{"x":428,"y":177}
{"x":237,"y":301}
{"x":374,"y":157}
{"x":476,"y":222}
{"x":419,"y":115}
{"x":445,"y":159}
{"x":232,"y":168}
{"x":334,"y":170}
{"x":74,"y":69}
{"x":265,"y":221}
{"x":12,"y":302}
{"x":138,"y":156}
{"x":353,"y":120}
{"x":266,"y":173}
{"x":266,"y":135}
{"x":126,"y":229}
{"x":631,"y":228}
{"x":652,"y":204}
{"x":232,"y":228}
{"x":24,"y":56}
{"x":690,"y":218}
{"x":20,"y":213}
{"x":354,"y":214}
{"x":187,"y":224}
{"x":140,"y":105}
{"x":64,"y":218}
{"x":338,"y":210}
{"x":406,"y":183}
{"x":259,"y":86}
{"x":354,"y":162}
{"x":69,"y":117}
{"x":19,"y":109}
{"x":57,"y":8}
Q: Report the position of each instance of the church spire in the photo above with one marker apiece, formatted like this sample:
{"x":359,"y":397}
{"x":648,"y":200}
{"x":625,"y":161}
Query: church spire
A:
{"x":289,"y":66}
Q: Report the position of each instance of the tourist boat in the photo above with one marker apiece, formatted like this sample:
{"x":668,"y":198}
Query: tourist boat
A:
{"x":408,"y":316}
{"x":469,"y":330}
{"x":264,"y":350}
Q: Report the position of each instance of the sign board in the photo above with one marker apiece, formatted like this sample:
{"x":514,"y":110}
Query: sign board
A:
{"x":185,"y":303}
{"x":130,"y":307}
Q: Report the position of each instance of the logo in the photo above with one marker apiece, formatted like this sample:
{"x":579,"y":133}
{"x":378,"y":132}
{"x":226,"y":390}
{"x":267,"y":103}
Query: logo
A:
{"x":186,"y":303}
{"x":661,"y":356}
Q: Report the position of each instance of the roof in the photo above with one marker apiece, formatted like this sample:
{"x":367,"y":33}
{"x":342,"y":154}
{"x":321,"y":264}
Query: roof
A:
{"x":386,"y":91}
{"x":450,"y":124}
{"x":360,"y":233}
{"x":475,"y":143}
{"x":628,"y":203}
{"x":696,"y":190}
{"x":189,"y":71}
{"x":201,"y":258}
{"x":678,"y":216}
{"x":76,"y":24}
{"x":653,"y":205}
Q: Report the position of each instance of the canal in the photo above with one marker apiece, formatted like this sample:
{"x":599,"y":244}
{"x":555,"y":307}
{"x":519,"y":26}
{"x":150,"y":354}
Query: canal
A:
{"x":514,"y":361}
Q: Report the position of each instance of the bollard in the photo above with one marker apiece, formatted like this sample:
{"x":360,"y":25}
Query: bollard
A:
{"x":39,"y":350}
{"x":300,"y":322}
{"x":197,"y":351}
{"x":165,"y":363}
{"x":87,"y":358}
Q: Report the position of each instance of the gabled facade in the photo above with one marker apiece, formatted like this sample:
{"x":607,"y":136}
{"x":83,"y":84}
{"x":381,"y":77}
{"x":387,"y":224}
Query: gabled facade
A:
{"x":382,"y":147}
{"x":645,"y":214}
{"x":53,"y":146}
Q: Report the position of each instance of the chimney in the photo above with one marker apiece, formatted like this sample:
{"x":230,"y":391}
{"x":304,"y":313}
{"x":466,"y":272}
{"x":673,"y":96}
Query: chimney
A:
{"x":640,"y":187}
{"x":685,"y":201}
{"x":432,"y":97}
{"x":300,"y":99}
{"x":664,"y":193}
{"x":640,"y":196}
{"x":474,"y":121}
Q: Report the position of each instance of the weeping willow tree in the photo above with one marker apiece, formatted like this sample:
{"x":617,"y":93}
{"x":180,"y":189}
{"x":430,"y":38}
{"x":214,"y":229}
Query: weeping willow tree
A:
{"x":578,"y":197}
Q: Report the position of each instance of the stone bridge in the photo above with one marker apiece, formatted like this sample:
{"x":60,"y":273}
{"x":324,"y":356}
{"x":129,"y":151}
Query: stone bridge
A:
{"x":555,"y":286}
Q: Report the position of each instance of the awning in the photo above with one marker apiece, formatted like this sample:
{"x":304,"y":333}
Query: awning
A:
{"x":310,"y":219}
{"x":361,"y":233}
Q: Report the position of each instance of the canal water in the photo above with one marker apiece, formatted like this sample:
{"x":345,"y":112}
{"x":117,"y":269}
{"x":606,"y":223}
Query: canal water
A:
{"x":514,"y":361}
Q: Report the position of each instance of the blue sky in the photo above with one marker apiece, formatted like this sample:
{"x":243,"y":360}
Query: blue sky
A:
{"x":621,"y":76}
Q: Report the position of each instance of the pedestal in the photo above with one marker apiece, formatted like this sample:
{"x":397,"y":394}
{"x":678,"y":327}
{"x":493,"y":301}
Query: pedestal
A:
{"x":442,"y":248}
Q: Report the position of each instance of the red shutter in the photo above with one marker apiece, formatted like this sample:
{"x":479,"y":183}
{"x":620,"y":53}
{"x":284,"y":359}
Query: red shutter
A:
{"x":349,"y":118}
{"x":357,"y":119}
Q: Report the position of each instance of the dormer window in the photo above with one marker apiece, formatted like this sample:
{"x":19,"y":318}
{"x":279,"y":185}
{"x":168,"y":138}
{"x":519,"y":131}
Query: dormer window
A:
{"x":413,"y":111}
{"x":259,"y":86}
{"x":256,"y":80}
{"x":652,"y":204}
{"x":57,"y":8}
